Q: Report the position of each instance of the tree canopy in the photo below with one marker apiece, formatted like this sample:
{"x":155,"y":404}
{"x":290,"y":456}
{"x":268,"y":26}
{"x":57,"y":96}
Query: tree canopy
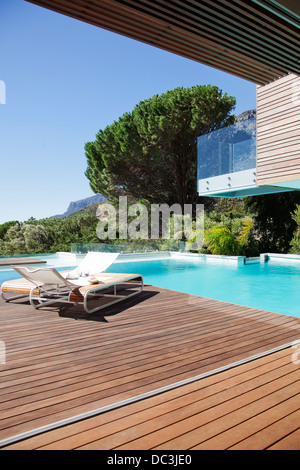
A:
{"x":48,"y":235}
{"x":273,"y":219}
{"x":151,"y":153}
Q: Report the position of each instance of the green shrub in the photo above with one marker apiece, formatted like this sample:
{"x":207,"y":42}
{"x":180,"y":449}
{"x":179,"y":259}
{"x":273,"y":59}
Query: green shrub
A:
{"x":295,"y":243}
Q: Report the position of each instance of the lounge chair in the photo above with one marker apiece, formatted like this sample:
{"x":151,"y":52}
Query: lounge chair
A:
{"x":46,"y":286}
{"x":94,"y":262}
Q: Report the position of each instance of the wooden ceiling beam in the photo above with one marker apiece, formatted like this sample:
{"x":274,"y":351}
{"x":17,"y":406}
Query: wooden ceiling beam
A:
{"x":242,"y":37}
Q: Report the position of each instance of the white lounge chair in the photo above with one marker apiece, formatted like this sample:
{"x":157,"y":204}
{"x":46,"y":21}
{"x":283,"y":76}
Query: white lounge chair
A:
{"x":94,"y":262}
{"x":46,"y":286}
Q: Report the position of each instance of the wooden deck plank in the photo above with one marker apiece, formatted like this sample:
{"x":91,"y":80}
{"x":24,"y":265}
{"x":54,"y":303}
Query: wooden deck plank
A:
{"x":20,"y":261}
{"x":62,"y":362}
{"x":230,"y":404}
{"x":87,"y":378}
{"x":279,"y":431}
{"x":201,"y":399}
{"x":290,"y":442}
{"x":206,"y":425}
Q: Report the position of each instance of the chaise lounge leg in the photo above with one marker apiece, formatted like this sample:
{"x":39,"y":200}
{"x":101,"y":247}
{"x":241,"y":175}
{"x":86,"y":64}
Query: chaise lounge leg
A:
{"x":15,"y":297}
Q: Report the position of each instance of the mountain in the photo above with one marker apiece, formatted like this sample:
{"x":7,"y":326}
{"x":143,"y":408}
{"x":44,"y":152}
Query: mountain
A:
{"x":77,"y":205}
{"x":251,"y":113}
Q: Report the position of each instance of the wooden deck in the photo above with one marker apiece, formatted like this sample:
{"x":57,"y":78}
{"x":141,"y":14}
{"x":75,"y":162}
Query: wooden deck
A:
{"x":23,"y":261}
{"x":61,"y":363}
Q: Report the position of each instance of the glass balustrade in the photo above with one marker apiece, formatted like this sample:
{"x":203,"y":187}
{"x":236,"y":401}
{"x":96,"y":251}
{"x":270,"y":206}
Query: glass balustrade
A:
{"x":227,"y":158}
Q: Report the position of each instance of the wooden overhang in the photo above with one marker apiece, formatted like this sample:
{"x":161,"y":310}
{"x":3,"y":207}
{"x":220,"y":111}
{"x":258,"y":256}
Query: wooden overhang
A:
{"x":257,"y":40}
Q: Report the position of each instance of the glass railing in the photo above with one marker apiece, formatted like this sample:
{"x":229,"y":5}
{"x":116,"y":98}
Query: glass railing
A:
{"x":130,"y":247}
{"x":227,"y":150}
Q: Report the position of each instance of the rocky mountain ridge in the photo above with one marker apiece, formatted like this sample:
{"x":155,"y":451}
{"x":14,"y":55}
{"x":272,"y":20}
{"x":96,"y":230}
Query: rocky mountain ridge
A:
{"x":75,"y":206}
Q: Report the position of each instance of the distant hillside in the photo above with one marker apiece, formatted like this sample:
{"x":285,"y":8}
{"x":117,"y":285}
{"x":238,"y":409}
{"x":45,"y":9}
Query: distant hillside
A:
{"x":77,"y":205}
{"x":251,"y":113}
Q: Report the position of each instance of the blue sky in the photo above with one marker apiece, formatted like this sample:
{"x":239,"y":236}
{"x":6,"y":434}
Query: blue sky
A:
{"x":64,"y":81}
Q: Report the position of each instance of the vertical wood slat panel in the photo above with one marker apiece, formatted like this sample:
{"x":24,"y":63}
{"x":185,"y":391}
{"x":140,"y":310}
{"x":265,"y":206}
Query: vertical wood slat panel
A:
{"x":276,"y":148}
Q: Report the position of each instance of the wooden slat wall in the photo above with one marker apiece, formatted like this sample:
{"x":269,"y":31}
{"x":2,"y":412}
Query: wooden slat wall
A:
{"x":278,"y":131}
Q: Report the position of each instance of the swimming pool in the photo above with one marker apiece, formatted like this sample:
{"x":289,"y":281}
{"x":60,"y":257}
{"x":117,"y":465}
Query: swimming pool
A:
{"x":272,"y":286}
{"x":58,"y":260}
{"x":269,"y":286}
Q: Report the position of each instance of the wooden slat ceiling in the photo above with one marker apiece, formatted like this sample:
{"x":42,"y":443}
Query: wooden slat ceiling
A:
{"x":258,"y":40}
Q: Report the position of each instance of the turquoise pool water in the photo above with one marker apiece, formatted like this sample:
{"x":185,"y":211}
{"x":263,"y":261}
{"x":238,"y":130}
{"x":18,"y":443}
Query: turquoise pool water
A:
{"x":58,"y":261}
{"x":269,"y":286}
